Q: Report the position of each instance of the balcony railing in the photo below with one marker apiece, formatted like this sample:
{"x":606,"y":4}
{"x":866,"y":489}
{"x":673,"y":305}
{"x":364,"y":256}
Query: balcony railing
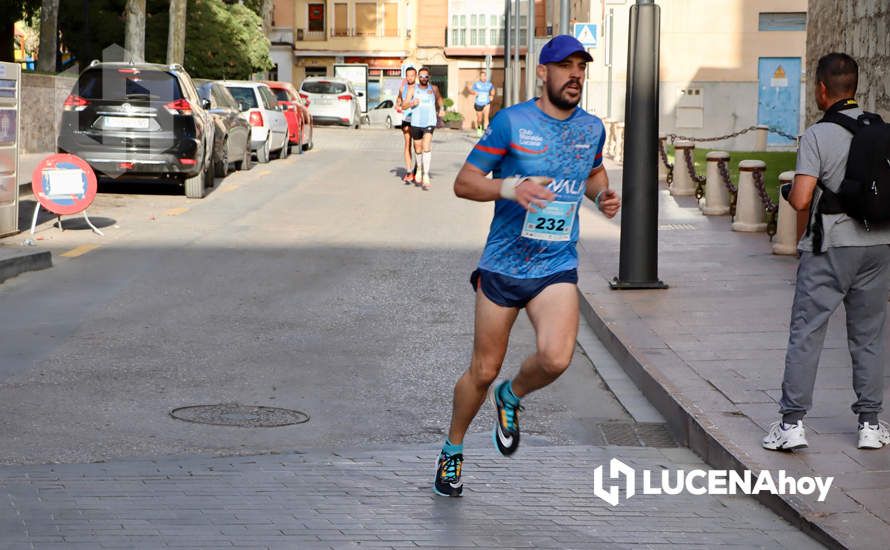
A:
{"x":281,"y":35}
{"x":306,"y":34}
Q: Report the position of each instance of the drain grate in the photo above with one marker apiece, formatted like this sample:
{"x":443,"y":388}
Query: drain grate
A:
{"x":243,"y":416}
{"x":677,"y":227}
{"x":629,"y":434}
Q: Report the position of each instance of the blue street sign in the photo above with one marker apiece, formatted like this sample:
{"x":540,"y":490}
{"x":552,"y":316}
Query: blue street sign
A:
{"x":586,"y":34}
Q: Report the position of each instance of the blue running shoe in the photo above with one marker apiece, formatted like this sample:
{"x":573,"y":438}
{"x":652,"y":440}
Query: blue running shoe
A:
{"x":506,"y":429}
{"x":448,"y":483}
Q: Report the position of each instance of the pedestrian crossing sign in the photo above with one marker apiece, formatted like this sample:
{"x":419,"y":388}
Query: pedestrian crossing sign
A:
{"x":586,"y":34}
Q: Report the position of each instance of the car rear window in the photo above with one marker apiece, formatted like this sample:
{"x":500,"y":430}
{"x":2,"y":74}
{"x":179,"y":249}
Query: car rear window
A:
{"x":128,"y":84}
{"x":245,"y":95}
{"x":324,"y":87}
{"x":281,"y":94}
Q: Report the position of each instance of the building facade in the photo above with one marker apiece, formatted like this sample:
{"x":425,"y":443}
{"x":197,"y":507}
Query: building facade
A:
{"x":859,"y":28}
{"x":310,"y":37}
{"x":725,"y":66}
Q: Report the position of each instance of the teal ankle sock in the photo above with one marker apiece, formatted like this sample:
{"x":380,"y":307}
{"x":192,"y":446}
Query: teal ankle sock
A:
{"x":451,"y":449}
{"x":505,"y":392}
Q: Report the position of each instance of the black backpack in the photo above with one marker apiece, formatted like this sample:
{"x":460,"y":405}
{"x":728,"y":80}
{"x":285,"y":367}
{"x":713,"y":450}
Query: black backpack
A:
{"x":864,"y":194}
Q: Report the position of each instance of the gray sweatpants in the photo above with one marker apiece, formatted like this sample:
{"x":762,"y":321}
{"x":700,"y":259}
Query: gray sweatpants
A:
{"x":858,"y":276}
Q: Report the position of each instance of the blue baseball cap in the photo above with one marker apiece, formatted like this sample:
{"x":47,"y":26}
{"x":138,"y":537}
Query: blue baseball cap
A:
{"x":560,"y":47}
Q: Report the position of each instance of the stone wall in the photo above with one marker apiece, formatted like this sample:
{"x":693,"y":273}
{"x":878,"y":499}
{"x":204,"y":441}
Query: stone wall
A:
{"x":860,"y":29}
{"x":42,"y":99}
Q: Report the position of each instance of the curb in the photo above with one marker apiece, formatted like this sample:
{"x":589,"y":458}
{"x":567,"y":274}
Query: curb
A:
{"x":687,"y":427}
{"x":21,"y":262}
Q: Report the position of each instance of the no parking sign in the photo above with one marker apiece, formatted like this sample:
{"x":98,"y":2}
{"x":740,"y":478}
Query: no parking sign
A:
{"x":64,"y":184}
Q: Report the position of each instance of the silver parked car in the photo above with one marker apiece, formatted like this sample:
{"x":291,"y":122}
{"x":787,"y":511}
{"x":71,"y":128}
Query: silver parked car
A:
{"x":259,"y":107}
{"x":332,"y":100}
{"x":385,"y":114}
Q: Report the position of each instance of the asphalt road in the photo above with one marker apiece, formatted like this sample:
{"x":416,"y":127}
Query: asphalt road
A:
{"x":321,"y":284}
{"x":318,"y":283}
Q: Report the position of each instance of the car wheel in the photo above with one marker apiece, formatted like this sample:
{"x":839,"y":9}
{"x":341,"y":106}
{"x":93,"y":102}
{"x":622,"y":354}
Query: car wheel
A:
{"x":222,"y":166}
{"x":389,"y":122}
{"x":262,"y":154}
{"x":246,"y":162}
{"x":195,"y":185}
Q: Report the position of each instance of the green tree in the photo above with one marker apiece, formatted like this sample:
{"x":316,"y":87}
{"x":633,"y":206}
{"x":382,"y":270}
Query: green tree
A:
{"x":10,"y":12}
{"x":222,"y":40}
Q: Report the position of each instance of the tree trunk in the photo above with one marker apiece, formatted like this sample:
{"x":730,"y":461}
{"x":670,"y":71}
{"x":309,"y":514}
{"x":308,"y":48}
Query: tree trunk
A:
{"x":7,"y":29}
{"x":134,"y":37}
{"x":267,"y":17}
{"x":49,"y":32}
{"x":176,"y":36}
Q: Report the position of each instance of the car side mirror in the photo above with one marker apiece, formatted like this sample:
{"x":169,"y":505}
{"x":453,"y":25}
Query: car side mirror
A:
{"x":205,"y":103}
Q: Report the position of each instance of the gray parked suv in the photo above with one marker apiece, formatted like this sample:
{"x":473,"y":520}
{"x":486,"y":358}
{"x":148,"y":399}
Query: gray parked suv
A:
{"x":140,"y":120}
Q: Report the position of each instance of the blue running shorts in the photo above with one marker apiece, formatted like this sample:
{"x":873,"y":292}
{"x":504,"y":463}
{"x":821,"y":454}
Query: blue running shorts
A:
{"x":511,"y":292}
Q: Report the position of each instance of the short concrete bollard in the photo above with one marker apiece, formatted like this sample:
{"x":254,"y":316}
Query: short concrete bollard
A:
{"x":683,"y":186}
{"x":760,"y":136}
{"x":749,"y":213}
{"x":786,"y":227}
{"x":716,"y":200}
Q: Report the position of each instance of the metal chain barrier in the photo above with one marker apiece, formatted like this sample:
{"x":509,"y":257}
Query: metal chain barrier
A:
{"x":664,"y":159}
{"x":675,"y":137}
{"x":772,"y":209}
{"x":727,"y":181}
{"x":699,"y":180}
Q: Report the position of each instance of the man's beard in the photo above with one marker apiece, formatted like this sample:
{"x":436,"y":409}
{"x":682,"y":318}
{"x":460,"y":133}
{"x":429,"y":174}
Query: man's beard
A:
{"x":555,"y":97}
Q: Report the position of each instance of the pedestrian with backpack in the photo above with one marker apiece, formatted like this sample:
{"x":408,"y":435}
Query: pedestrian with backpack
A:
{"x":843,"y":178}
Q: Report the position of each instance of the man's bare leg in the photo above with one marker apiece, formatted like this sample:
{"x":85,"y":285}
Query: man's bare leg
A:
{"x":409,"y":169}
{"x":554,"y":315}
{"x":492,"y":333}
{"x":427,"y":159}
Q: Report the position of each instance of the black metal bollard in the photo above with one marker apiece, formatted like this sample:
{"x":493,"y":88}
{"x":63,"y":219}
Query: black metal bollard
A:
{"x":638,"y":262}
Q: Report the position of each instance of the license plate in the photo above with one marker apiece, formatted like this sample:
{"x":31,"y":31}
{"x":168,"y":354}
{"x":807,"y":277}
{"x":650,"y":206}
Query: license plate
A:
{"x":125,"y":122}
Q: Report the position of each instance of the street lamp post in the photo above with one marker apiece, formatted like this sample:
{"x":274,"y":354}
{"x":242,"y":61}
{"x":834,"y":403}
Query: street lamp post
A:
{"x":508,"y":76}
{"x":638,"y":262}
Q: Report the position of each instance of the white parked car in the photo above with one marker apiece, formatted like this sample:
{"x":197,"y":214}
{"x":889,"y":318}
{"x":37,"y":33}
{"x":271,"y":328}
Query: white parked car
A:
{"x":268,"y":125}
{"x":332,"y":100}
{"x":385,"y":114}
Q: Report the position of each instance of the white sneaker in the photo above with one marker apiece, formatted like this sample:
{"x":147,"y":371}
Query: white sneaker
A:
{"x":785,"y":437}
{"x":426,"y":181}
{"x":873,"y":436}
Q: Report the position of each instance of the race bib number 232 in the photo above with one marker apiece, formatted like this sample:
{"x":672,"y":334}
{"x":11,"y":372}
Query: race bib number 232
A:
{"x":553,"y":223}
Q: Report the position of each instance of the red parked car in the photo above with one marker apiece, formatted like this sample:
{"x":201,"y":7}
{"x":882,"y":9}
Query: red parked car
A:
{"x":296,"y":110}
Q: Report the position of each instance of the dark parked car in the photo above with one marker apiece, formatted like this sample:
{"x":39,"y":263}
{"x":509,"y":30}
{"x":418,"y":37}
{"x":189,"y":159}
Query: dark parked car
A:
{"x":231,"y":143}
{"x":140,"y":120}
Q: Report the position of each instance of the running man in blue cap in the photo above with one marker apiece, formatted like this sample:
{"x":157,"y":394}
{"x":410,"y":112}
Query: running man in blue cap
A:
{"x":545,"y":156}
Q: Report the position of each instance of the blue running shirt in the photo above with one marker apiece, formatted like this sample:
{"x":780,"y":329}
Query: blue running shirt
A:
{"x":483,"y":92}
{"x":425,"y":113}
{"x":524,"y":141}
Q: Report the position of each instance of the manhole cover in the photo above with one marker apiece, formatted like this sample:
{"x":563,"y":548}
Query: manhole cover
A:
{"x":244,"y":416}
{"x":629,"y":434}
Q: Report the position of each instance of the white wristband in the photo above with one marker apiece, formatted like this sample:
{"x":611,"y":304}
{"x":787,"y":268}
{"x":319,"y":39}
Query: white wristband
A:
{"x":596,"y":199}
{"x":509,"y":185}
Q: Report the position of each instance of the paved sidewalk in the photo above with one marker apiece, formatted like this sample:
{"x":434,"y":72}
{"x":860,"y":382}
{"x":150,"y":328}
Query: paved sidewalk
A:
{"x":541,"y":498}
{"x":709,"y":353}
